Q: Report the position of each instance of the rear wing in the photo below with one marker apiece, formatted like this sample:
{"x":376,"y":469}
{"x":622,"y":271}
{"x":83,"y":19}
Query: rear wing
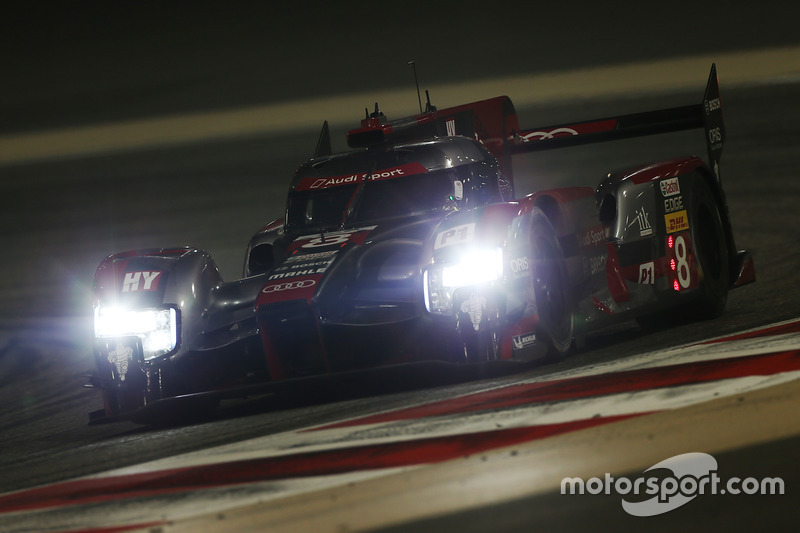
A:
{"x":707,"y":115}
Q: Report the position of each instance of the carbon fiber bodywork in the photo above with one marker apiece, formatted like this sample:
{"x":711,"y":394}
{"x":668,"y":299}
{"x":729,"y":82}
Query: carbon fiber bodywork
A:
{"x":411,"y":248}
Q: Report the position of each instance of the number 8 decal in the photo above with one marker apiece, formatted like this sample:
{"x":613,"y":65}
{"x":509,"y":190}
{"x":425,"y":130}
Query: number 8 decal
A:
{"x":684,"y":272}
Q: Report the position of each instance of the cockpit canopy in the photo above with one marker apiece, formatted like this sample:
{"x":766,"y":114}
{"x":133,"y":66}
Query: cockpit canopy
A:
{"x":435,"y":176}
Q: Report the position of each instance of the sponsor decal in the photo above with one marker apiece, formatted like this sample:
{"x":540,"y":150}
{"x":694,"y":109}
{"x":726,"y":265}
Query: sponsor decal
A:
{"x":672,"y":483}
{"x":673,"y":204}
{"x":333,"y":238}
{"x":519,"y":265}
{"x":322,"y":183}
{"x":558,"y":132}
{"x":455,"y":235}
{"x":474,"y":307}
{"x":670,"y":187}
{"x":593,"y":237}
{"x":386,"y":173}
{"x":120,"y":358}
{"x":643,"y":219}
{"x":289,"y":286}
{"x":597,"y":264}
{"x":680,"y":263}
{"x":647,"y":273}
{"x":676,"y":221}
{"x":522,"y":341}
{"x":573,"y":129}
{"x":306,"y":270}
{"x":450,"y":124}
{"x":304,"y":265}
{"x":141,"y":281}
{"x":310,"y":257}
{"x":712,"y":105}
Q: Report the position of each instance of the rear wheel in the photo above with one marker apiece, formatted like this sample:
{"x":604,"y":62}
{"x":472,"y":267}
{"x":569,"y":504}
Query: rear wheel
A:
{"x":711,"y":250}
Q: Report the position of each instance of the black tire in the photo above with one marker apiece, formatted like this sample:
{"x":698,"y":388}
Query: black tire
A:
{"x":711,"y":250}
{"x":551,"y":288}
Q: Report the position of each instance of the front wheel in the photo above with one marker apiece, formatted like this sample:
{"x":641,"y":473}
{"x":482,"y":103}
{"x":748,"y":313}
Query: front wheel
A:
{"x":551,"y":288}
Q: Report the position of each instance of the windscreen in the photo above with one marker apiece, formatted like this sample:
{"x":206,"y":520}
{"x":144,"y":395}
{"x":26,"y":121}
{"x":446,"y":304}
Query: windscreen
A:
{"x":319,"y":208}
{"x":408,"y":195}
{"x":327,"y":208}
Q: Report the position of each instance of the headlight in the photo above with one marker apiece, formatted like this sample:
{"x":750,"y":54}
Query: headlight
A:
{"x":158,"y":328}
{"x":473,"y":267}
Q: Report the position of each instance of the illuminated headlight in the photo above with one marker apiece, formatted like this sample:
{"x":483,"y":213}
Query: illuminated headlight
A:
{"x":158,"y":328}
{"x":473,"y":267}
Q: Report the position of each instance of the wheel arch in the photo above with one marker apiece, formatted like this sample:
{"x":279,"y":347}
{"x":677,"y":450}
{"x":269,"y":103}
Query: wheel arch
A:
{"x":705,"y":174}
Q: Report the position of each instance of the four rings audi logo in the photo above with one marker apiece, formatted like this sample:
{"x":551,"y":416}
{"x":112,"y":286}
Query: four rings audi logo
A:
{"x":289,"y":285}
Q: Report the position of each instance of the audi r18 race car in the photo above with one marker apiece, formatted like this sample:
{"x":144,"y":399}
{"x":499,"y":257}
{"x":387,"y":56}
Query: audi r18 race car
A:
{"x":411,"y":247}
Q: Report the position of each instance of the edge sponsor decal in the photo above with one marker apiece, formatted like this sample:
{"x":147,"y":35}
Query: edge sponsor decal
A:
{"x":673,"y":204}
{"x":455,"y":235}
{"x":670,"y":187}
{"x":676,"y":221}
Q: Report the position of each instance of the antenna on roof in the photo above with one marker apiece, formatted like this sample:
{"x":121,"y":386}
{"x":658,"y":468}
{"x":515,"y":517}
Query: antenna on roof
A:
{"x":324,"y":142}
{"x":414,"y":66}
{"x":428,"y":107}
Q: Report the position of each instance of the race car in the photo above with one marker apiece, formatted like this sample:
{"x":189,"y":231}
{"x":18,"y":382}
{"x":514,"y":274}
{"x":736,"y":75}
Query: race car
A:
{"x":410,"y":247}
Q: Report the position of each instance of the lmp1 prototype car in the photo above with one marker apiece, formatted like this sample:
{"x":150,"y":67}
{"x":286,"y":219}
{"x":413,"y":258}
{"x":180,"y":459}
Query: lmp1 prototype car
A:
{"x":411,"y":247}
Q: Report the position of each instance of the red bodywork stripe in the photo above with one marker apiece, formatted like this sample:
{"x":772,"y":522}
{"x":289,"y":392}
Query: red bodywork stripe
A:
{"x":665,"y":170}
{"x":614,"y":279}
